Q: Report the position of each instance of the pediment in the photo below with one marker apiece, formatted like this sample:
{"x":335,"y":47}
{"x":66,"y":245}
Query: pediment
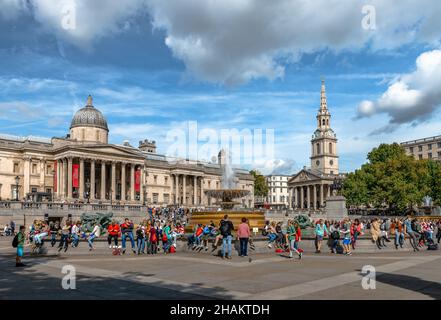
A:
{"x":105,"y":150}
{"x":304,"y":175}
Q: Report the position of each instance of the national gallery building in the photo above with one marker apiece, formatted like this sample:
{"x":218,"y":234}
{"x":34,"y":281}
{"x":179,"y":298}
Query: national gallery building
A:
{"x":84,"y":167}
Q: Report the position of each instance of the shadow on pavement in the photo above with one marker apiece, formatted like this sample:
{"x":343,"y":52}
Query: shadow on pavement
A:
{"x":31,"y":283}
{"x":428,"y":288}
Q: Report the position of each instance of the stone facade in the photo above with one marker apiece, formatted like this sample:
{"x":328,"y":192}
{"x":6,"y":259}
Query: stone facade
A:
{"x":84,"y":167}
{"x":426,"y":148}
{"x":278,"y":195}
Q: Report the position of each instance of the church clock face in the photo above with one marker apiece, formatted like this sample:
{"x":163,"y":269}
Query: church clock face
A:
{"x":317,"y":163}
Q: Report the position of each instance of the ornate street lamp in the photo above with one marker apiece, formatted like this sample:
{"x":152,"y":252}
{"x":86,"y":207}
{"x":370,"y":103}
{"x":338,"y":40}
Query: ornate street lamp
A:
{"x":144,"y":186}
{"x":17,"y":181}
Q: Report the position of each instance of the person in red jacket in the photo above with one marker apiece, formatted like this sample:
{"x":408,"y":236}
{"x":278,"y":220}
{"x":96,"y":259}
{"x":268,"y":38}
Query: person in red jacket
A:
{"x":113,"y":231}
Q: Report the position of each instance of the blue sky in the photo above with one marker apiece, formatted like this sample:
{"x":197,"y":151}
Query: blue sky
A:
{"x":148,"y":74}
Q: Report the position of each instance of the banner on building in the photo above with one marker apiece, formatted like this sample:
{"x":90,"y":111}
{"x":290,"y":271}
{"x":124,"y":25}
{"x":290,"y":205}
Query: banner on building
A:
{"x":75,"y":175}
{"x":138,"y":181}
{"x":55,"y":175}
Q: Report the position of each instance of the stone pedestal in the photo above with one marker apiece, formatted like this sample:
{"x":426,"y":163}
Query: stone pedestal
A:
{"x":336,"y":208}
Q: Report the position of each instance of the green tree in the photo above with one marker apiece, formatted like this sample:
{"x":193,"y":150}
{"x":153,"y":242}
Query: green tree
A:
{"x":260,"y":186}
{"x":390,"y":178}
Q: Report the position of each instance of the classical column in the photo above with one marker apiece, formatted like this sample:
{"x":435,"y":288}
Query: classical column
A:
{"x":69,"y":178}
{"x":113,"y":181}
{"x":176,"y":188}
{"x":58,"y":179}
{"x":62,"y":178}
{"x":42,"y":173}
{"x":194,"y":190}
{"x":308,"y":197}
{"x":202,"y":191}
{"x":26,"y":176}
{"x":103,"y":181}
{"x":302,"y":198}
{"x":81,"y":191}
{"x":321,"y":195}
{"x":142,"y":182}
{"x":123,"y":181}
{"x":314,"y":197}
{"x":328,"y":190}
{"x":184,"y":191}
{"x":92,"y":180}
{"x":132,"y":182}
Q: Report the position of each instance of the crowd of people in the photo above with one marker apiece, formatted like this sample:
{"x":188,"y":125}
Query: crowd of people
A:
{"x":163,"y":227}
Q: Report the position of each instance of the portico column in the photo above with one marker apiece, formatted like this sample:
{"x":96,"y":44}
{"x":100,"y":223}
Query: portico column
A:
{"x":132,"y":182}
{"x":81,"y":191}
{"x":184,"y":191}
{"x":92,"y":180}
{"x":328,"y":190}
{"x":202,"y":191}
{"x":113,"y":181}
{"x":194,"y":190}
{"x":308,"y":197}
{"x":103,"y":181}
{"x":69,"y":178}
{"x":314,"y":197}
{"x":302,"y":198}
{"x":176,"y":189}
{"x":63,"y":178}
{"x":26,"y":175}
{"x":123,"y":181}
{"x":321,"y":195}
{"x":58,"y":179}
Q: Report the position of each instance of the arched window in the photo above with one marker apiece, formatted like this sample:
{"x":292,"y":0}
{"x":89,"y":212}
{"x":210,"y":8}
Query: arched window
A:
{"x":318,"y":148}
{"x":327,"y":122}
{"x":323,"y":121}
{"x":330,"y":147}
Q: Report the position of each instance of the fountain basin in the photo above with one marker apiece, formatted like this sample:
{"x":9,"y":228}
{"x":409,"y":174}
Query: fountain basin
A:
{"x":256,"y":218}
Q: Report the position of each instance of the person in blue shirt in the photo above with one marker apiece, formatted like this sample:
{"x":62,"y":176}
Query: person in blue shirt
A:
{"x":411,"y":233}
{"x":320,"y":231}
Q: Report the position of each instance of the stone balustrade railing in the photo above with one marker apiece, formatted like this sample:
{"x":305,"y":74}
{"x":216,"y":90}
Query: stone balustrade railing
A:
{"x":45,"y":207}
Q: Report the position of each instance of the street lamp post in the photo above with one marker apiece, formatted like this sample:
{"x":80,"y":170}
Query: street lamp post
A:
{"x":17,"y":180}
{"x":88,"y":191}
{"x":144,"y":194}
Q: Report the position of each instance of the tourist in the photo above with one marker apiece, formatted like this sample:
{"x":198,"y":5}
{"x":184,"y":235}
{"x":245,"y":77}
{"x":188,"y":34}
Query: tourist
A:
{"x":243,"y":234}
{"x":272,"y":233}
{"x":113,"y":232}
{"x":65,"y":236}
{"x":96,"y":232}
{"x":413,"y":239}
{"x":279,"y":235}
{"x":166,"y":236}
{"x":320,"y":231}
{"x":334,"y":236}
{"x":346,"y":231}
{"x":399,"y":234}
{"x":140,"y":239}
{"x":375,"y":232}
{"x":19,"y":243}
{"x":54,"y":228}
{"x":127,"y":232}
{"x":438,"y":233}
{"x":226,"y":227}
{"x":42,"y":234}
{"x":355,"y":232}
{"x":153,"y":241}
{"x":76,"y":231}
{"x":12,"y":226}
{"x":293,"y":234}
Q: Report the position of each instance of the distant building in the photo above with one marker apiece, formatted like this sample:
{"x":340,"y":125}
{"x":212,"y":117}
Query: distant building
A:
{"x":278,"y":195}
{"x":426,"y":148}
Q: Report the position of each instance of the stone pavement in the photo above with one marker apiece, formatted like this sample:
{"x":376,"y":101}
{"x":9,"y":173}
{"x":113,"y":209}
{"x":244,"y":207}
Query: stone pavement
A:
{"x":184,"y":275}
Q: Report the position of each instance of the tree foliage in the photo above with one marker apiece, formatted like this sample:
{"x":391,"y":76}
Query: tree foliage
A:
{"x":260,"y":186}
{"x":391,"y":179}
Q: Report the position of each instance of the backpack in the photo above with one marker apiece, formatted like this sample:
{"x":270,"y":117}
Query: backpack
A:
{"x":432,"y":246}
{"x":225,"y":228}
{"x":339,"y":249}
{"x":335,"y":235}
{"x":15,"y":241}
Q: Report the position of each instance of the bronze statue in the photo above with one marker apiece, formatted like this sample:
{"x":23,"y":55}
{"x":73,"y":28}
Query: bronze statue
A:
{"x":88,"y":221}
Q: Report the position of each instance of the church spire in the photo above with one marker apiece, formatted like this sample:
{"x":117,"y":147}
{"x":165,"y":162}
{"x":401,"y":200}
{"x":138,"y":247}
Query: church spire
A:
{"x":323,"y":101}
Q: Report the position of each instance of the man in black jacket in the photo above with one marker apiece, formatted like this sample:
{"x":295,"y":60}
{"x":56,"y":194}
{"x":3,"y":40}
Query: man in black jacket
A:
{"x":226,"y":227}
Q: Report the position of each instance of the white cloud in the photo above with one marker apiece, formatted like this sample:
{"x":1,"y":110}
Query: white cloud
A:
{"x":234,"y":41}
{"x":410,"y":98}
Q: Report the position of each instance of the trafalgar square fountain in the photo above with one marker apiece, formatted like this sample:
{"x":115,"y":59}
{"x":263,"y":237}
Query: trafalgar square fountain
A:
{"x":225,"y":200}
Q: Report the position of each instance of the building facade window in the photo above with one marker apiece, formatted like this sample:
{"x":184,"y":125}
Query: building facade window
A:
{"x":166,"y":181}
{"x":318,"y":148}
{"x":330,"y":148}
{"x":34,"y":168}
{"x":155,"y":198}
{"x":16,"y":167}
{"x":411,"y":149}
{"x":420,"y":148}
{"x":420,"y":156}
{"x":155,"y":179}
{"x":429,"y":155}
{"x":429,"y":146}
{"x":166,"y":197}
